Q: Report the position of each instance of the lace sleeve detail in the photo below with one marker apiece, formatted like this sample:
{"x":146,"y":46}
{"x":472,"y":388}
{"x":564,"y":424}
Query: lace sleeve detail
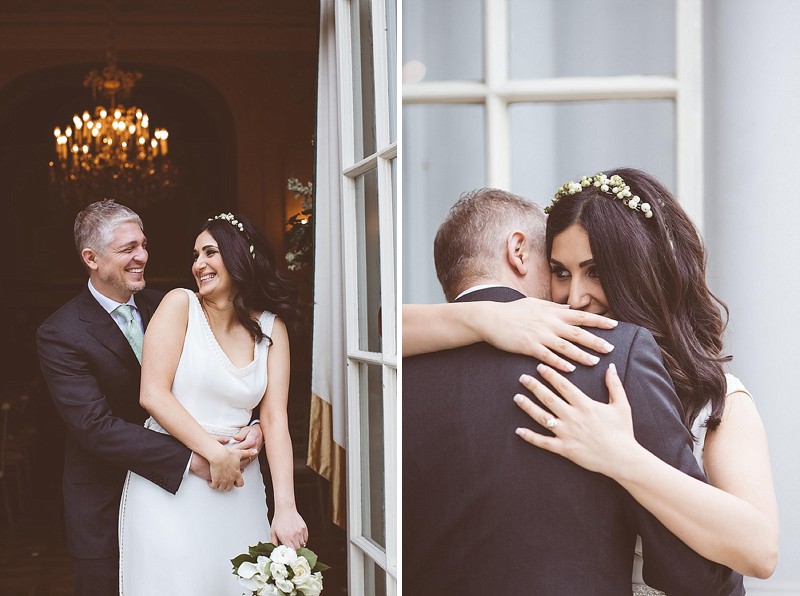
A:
{"x":734,"y":385}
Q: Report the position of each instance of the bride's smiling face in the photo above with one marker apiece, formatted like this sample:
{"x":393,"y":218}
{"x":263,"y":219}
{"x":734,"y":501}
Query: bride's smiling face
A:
{"x":574,"y":279}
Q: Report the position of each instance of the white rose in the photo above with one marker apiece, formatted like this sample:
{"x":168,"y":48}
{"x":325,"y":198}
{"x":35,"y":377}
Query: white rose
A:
{"x":284,"y":554}
{"x":254,"y":584}
{"x":312,"y":586}
{"x":279,"y":570}
{"x":285,"y":586}
{"x":269,"y":590}
{"x":301,"y":570}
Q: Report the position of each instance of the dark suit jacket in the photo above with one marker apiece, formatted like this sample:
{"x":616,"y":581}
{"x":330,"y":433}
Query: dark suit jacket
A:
{"x":93,"y":378}
{"x":484,"y":512}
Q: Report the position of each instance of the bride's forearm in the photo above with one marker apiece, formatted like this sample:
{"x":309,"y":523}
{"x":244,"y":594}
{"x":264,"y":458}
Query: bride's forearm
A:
{"x":434,"y":327}
{"x":178,"y":422}
{"x":717,"y":525}
{"x":274,"y":418}
{"x":278,"y":446}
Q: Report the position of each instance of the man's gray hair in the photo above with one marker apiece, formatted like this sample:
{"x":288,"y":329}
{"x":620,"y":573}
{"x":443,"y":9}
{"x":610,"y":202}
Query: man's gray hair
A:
{"x":94,"y":226}
{"x":473,"y":235}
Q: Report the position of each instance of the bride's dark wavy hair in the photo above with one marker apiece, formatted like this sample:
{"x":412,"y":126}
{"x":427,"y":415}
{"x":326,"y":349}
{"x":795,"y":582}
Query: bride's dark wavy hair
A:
{"x":260,"y":285}
{"x":653,"y":272}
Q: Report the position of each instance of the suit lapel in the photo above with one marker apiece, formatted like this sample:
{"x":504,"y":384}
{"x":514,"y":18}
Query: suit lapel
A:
{"x":101,"y":326}
{"x":145,"y":308}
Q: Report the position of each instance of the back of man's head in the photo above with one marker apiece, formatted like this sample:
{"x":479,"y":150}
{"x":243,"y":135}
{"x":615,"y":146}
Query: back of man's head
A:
{"x":471,"y":241}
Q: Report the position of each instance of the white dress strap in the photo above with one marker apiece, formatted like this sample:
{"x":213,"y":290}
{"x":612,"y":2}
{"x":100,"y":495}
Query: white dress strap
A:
{"x":735,"y":386}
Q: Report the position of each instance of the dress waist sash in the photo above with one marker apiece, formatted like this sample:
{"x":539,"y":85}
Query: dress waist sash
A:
{"x":217,"y":431}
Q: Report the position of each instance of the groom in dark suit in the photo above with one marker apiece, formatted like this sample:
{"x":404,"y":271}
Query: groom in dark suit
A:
{"x":483,"y":512}
{"x":90,"y":351}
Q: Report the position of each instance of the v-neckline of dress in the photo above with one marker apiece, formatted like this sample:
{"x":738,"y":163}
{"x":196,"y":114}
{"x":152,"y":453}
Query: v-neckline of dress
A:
{"x":217,"y":348}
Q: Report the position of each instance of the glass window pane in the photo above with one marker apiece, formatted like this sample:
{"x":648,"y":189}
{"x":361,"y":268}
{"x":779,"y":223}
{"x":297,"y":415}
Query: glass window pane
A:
{"x":391,"y":46}
{"x":369,"y":262}
{"x":363,"y":79}
{"x":443,"y":156}
{"x":567,"y":38}
{"x":373,"y":493}
{"x":552,"y":143}
{"x":394,"y":210}
{"x":442,"y":40}
{"x":374,"y":578}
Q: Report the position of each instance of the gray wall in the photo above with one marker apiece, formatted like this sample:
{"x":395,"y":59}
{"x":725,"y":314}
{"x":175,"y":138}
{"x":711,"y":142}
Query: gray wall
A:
{"x":752,"y":220}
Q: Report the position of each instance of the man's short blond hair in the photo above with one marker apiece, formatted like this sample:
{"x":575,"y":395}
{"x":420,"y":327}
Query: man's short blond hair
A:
{"x":473,"y":236}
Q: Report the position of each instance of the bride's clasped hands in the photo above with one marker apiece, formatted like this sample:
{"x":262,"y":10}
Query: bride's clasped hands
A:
{"x":226,"y":467}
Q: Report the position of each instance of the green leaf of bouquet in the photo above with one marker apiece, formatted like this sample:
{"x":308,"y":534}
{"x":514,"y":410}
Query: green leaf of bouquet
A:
{"x":238,"y":560}
{"x":309,"y":554}
{"x":320,"y":567}
{"x":262,"y":548}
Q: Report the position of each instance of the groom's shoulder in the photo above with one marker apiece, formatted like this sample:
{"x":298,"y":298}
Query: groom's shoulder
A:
{"x":633,"y":345}
{"x":150,"y":296}
{"x":626,"y":334}
{"x":67,"y":312}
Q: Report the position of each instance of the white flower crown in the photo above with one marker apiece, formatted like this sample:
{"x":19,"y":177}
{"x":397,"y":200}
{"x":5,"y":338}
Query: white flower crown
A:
{"x":236,"y":224}
{"x":614,"y":186}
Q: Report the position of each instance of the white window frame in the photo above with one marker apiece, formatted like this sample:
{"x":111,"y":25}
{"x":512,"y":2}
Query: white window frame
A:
{"x":498,"y":92}
{"x":360,"y":546}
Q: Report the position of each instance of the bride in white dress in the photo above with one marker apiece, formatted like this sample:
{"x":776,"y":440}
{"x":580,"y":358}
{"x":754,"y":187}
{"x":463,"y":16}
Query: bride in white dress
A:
{"x":209,"y":360}
{"x":648,"y":270}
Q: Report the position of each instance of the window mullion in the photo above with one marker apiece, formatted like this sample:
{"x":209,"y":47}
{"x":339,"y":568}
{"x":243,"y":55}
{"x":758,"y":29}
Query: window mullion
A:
{"x":381,"y":72}
{"x":444,"y":92}
{"x":689,"y":108}
{"x":498,"y":141}
{"x":387,"y":256}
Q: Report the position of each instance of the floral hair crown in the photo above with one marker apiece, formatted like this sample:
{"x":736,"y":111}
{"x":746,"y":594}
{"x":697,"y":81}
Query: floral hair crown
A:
{"x":238,"y":225}
{"x":614,"y":186}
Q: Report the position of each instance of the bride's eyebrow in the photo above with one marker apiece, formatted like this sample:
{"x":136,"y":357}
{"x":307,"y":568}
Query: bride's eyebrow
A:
{"x":581,"y":265}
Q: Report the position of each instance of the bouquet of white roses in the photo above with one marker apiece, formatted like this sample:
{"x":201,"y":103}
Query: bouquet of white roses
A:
{"x":269,"y":570}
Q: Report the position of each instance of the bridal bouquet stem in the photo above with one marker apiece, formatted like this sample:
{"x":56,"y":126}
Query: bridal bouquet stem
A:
{"x":269,"y":570}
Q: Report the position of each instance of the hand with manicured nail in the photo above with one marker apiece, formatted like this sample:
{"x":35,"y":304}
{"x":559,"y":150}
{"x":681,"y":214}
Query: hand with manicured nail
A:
{"x":592,"y":434}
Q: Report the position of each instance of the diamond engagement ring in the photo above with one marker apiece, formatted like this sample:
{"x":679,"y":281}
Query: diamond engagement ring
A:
{"x":551,"y":422}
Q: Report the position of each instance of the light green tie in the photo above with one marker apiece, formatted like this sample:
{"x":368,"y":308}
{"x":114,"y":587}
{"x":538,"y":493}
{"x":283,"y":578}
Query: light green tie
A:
{"x":133,"y":333}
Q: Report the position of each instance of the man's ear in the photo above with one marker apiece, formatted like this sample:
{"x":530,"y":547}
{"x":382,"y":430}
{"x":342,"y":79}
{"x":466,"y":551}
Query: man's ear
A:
{"x":89,"y":258}
{"x":518,"y":252}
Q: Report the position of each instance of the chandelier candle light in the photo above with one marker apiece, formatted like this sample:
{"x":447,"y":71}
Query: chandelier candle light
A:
{"x":112,"y":151}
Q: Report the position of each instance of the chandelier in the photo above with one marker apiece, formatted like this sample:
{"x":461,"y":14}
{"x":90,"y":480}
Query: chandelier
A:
{"x":112,"y":151}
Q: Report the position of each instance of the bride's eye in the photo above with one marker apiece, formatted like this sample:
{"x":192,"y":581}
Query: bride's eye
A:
{"x":592,"y":272}
{"x":559,"y":272}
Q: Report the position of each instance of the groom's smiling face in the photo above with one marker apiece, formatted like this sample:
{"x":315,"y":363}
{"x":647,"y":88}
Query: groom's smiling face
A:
{"x":118,"y":270}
